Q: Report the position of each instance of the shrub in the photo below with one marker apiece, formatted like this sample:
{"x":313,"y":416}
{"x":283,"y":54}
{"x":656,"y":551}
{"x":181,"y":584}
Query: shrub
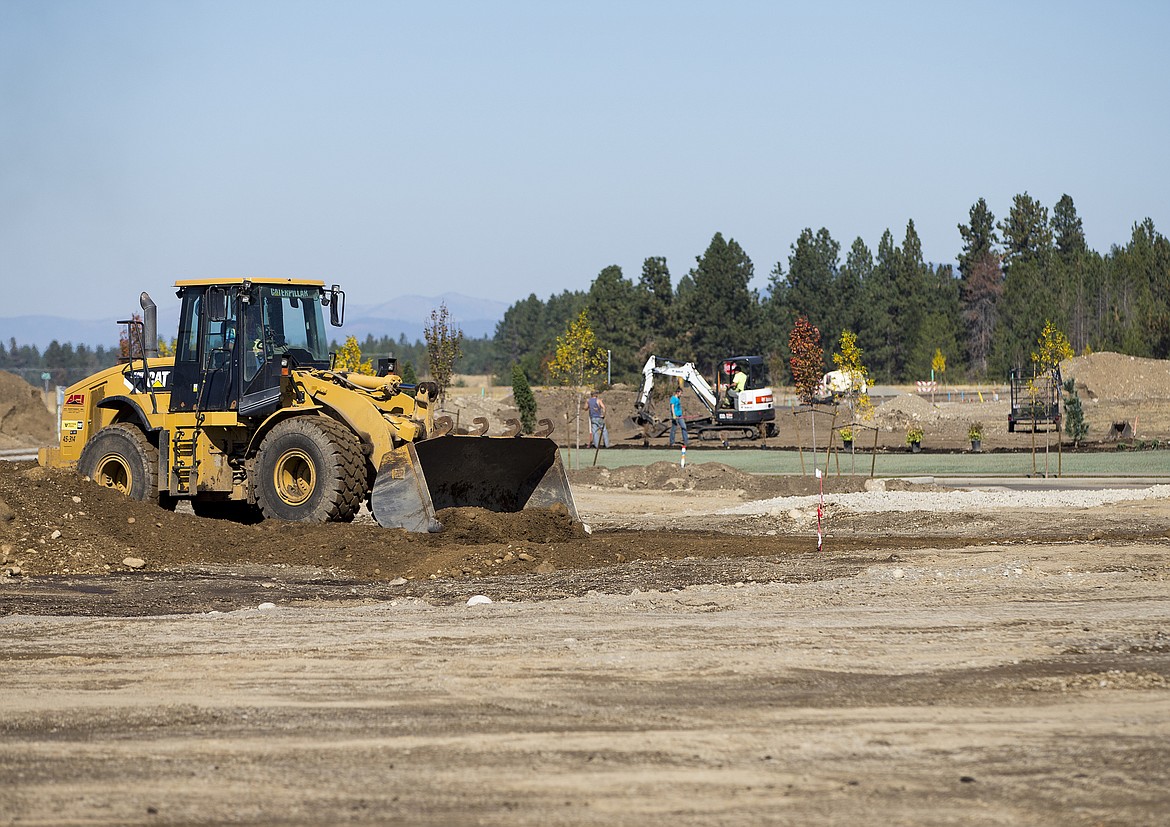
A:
{"x":1074,"y":414}
{"x":913,"y":434}
{"x":525,"y":400}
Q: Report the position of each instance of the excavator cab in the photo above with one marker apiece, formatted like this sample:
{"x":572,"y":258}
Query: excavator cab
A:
{"x":754,"y":369}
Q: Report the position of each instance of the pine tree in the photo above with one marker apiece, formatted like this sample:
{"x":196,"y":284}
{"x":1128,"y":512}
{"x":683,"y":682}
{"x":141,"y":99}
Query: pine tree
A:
{"x":879,"y":332}
{"x":979,"y":237}
{"x":654,"y":305}
{"x":718,"y":314}
{"x":980,"y":286}
{"x":912,"y":294}
{"x":612,"y":306}
{"x":519,"y":336}
{"x":1027,"y":235}
{"x":1067,"y":228}
{"x":523,"y":398}
{"x":1029,"y":295}
{"x":1074,"y":272}
{"x":812,"y":276}
{"x":1074,"y":414}
{"x":941,"y":326}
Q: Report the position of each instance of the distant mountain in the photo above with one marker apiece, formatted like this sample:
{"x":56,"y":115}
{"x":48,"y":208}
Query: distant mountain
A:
{"x":403,"y":315}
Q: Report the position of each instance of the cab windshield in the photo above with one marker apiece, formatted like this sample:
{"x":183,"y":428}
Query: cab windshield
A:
{"x":280,"y":320}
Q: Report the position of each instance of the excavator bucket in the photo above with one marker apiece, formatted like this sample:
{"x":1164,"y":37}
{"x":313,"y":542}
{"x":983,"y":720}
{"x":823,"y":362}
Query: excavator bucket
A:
{"x":505,"y":474}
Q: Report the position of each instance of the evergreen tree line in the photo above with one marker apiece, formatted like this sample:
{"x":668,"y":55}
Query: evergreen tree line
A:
{"x":65,"y":363}
{"x":984,"y":319}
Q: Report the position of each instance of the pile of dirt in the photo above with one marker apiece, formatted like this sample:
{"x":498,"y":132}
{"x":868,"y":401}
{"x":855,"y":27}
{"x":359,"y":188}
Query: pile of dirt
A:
{"x":56,"y":522}
{"x":1118,"y":378}
{"x":710,"y":476}
{"x":25,"y":422}
{"x":904,"y":409}
{"x":538,"y":525}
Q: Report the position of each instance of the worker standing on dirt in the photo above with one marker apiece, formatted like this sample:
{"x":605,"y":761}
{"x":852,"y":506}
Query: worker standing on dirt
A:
{"x":599,"y":433}
{"x":676,"y":417}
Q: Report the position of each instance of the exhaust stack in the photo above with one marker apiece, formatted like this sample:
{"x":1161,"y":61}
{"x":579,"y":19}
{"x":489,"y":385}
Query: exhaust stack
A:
{"x":150,"y":324}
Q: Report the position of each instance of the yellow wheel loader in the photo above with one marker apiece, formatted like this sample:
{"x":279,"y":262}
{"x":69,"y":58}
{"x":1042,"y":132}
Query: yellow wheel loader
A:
{"x":250,"y":419}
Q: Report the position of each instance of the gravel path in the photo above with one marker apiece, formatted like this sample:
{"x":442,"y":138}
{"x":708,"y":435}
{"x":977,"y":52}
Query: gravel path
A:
{"x":964,"y":501}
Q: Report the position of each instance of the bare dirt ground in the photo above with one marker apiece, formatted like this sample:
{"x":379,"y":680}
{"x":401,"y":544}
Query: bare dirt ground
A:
{"x":948,"y":657}
{"x":695,"y":660}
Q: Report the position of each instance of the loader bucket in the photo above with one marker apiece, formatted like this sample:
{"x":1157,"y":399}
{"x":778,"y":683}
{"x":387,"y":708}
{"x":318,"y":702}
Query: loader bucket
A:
{"x":505,"y":474}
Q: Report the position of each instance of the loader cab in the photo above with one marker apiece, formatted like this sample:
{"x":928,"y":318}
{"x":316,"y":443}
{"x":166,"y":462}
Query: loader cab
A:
{"x":233,"y":337}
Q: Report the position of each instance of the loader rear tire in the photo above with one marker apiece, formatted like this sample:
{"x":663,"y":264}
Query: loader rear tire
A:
{"x":310,"y":469}
{"x":121,"y":458}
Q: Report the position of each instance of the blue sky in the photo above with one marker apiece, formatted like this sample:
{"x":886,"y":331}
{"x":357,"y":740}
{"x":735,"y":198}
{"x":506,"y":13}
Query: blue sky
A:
{"x":501,"y":149}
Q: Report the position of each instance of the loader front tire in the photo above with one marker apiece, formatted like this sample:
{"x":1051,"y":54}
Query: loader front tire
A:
{"x":310,"y":469}
{"x":121,"y":458}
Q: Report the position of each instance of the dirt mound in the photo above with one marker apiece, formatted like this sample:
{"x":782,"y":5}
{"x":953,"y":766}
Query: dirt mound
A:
{"x":1118,"y":378}
{"x":900,"y":411}
{"x":55,"y":522}
{"x":538,"y":525}
{"x":24,"y":419}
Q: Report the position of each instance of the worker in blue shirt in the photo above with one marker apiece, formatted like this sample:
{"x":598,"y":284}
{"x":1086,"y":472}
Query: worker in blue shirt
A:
{"x":676,"y":417}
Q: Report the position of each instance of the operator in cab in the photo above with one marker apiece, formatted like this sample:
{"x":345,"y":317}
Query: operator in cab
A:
{"x":739,"y":381}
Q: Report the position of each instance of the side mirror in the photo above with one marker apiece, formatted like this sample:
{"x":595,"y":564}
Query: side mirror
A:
{"x":217,"y":304}
{"x":336,"y":306}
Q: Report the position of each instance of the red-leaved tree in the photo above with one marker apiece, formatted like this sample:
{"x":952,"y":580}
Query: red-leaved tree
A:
{"x":807,"y":363}
{"x":807,"y":360}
